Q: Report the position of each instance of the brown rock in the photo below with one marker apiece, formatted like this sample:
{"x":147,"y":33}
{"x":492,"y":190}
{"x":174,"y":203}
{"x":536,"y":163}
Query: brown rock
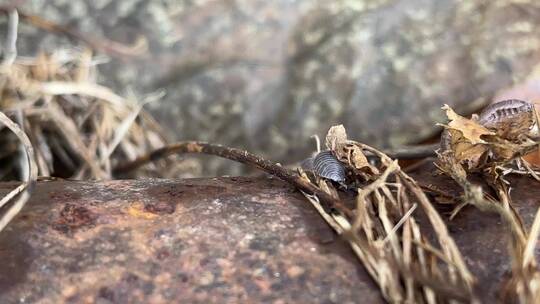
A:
{"x":227,"y":240}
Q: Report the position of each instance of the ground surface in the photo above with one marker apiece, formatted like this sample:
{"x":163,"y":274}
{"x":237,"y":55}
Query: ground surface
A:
{"x":206,"y":241}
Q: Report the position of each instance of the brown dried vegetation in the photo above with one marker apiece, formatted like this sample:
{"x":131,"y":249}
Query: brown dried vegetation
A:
{"x":490,"y":146}
{"x":384,"y":232}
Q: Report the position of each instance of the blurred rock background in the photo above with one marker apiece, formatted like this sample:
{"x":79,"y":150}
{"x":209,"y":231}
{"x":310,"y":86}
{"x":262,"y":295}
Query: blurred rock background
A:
{"x":266,"y":75}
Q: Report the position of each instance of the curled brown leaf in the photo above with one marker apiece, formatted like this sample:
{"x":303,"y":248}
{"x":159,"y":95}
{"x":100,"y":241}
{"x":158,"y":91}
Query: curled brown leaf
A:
{"x":471,"y":130}
{"x":346,"y":151}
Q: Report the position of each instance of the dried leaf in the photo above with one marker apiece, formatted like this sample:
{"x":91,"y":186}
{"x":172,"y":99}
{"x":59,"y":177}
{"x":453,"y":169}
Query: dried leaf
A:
{"x":358,"y":160}
{"x":505,"y":151}
{"x":471,"y":155}
{"x":465,"y":152}
{"x":336,"y":137}
{"x":346,"y":151}
{"x":471,"y":130}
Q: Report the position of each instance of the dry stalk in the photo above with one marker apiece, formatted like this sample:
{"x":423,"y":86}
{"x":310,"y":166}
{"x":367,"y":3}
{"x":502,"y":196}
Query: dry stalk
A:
{"x":14,"y":201}
{"x":10,"y":49}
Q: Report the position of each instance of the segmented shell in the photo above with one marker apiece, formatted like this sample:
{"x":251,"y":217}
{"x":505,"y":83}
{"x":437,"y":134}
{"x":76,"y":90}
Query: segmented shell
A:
{"x":325,"y":165}
{"x":508,"y":118}
{"x":503,"y":110}
{"x":511,"y":118}
{"x":307,"y":164}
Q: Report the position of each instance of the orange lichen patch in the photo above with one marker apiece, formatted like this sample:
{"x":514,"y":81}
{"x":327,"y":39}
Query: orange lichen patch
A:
{"x":138,"y":210}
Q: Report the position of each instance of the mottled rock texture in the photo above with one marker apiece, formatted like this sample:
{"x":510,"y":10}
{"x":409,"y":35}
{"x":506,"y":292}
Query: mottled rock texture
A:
{"x":265,"y":75}
{"x":169,"y":241}
{"x":223,"y":240}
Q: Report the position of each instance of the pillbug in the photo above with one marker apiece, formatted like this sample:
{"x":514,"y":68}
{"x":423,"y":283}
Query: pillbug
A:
{"x":503,"y":110}
{"x":510,"y":118}
{"x":325,"y":165}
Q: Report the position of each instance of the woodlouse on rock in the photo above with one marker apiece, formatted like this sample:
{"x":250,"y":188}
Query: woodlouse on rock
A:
{"x":325,"y":165}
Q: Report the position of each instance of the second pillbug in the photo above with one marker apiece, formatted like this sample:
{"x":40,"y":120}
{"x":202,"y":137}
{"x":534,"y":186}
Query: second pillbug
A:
{"x":511,"y":118}
{"x":508,"y":118}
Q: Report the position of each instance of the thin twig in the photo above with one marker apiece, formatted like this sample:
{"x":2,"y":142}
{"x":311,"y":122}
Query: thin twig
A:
{"x":238,"y":155}
{"x":317,"y":142}
{"x":10,"y":50}
{"x":530,"y":170}
{"x":23,"y":160}
{"x":400,"y":223}
{"x":23,"y":196}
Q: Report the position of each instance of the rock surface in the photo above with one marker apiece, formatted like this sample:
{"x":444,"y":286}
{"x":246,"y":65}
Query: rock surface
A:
{"x":266,"y":75}
{"x":222,"y":240}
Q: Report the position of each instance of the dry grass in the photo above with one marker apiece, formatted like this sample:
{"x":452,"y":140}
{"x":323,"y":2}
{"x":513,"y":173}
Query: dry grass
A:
{"x":79,"y":129}
{"x":385,"y":234}
{"x":14,"y":201}
{"x":498,"y":157}
{"x":68,"y":125}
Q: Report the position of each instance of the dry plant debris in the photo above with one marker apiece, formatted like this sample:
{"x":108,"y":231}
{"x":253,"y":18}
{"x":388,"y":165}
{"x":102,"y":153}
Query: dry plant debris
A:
{"x":14,"y":201}
{"x":491,"y":145}
{"x":78,"y":128}
{"x":385,"y":235}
